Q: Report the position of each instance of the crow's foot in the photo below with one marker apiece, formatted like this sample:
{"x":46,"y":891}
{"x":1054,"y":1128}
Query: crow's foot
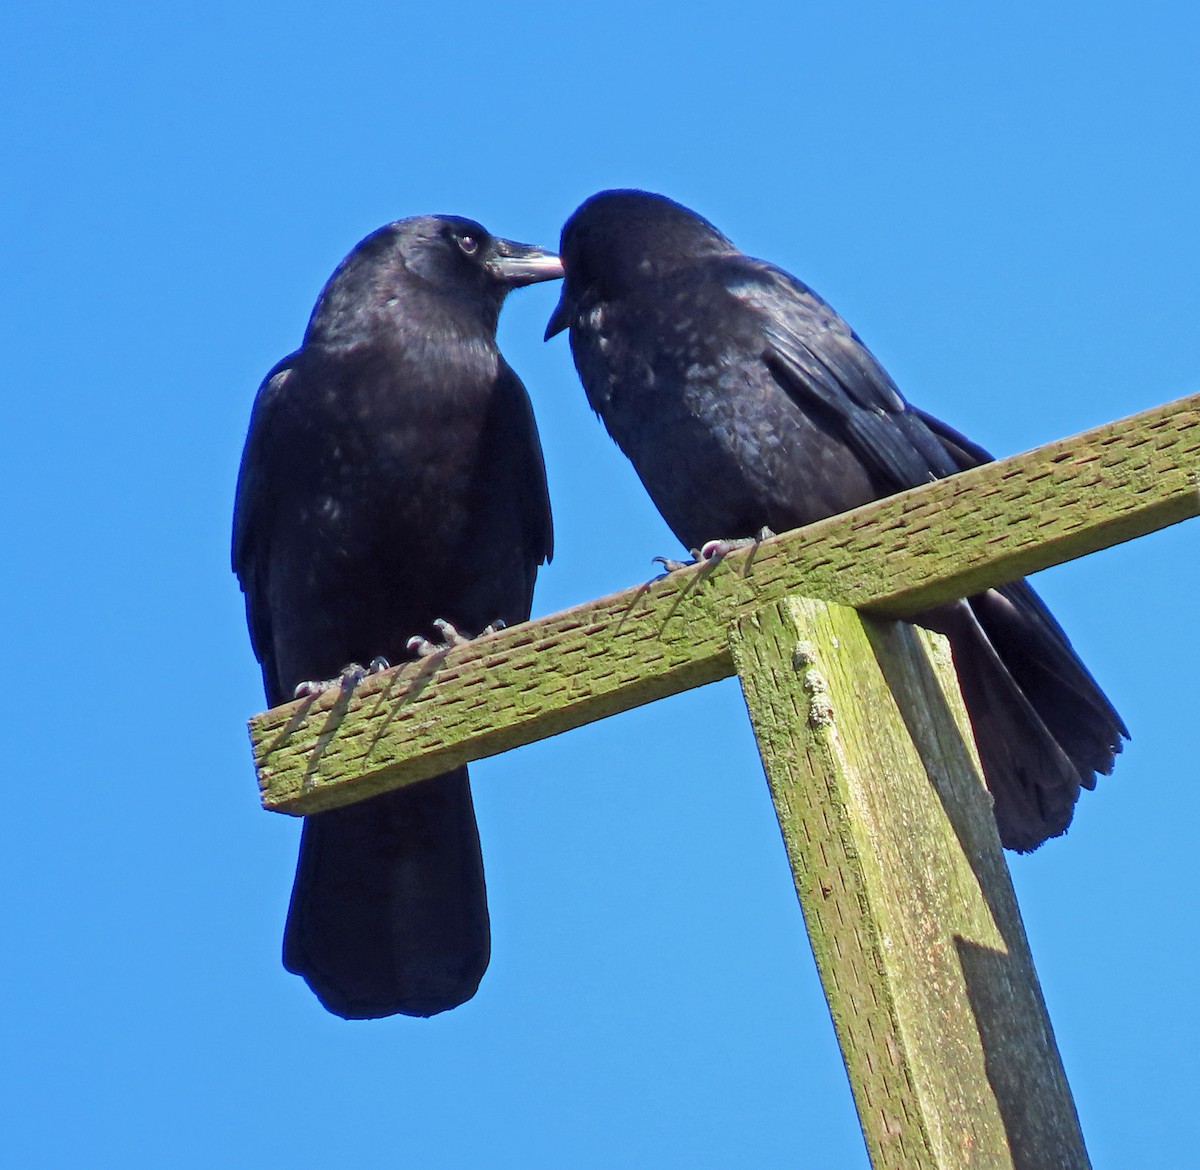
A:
{"x":348,"y":678}
{"x":423,"y":648}
{"x":713,"y":551}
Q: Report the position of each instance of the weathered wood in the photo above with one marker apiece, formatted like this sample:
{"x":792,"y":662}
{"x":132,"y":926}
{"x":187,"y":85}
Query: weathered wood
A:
{"x":905,"y":892}
{"x":894,"y":557}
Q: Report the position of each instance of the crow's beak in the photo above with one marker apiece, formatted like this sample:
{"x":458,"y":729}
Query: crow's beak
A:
{"x":560,"y":318}
{"x":521,"y":264}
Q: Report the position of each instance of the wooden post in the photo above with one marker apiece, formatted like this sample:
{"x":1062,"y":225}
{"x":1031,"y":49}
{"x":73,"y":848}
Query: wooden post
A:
{"x":905,"y":892}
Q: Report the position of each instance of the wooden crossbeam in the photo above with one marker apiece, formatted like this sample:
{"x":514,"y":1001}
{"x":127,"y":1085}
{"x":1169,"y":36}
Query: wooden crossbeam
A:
{"x":894,"y":557}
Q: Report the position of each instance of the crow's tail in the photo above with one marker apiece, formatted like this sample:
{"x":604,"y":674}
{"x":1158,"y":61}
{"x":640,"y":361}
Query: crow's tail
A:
{"x":389,"y":911}
{"x":1043,"y":726}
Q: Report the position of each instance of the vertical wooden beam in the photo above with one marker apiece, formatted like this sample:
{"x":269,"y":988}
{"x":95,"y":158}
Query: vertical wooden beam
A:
{"x":905,"y":891}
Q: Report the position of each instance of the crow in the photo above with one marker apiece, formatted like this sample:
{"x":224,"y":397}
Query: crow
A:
{"x":746,"y":403}
{"x":392,"y":477}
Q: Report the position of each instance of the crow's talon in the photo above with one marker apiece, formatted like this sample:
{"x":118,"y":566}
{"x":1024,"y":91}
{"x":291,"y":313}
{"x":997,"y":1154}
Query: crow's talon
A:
{"x":670,"y":565}
{"x":714,"y":550}
{"x":424,"y":648}
{"x":449,"y":632}
{"x":311,"y":688}
{"x":347,"y":679}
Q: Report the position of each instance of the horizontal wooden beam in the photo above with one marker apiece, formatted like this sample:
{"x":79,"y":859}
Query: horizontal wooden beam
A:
{"x":893,"y":558}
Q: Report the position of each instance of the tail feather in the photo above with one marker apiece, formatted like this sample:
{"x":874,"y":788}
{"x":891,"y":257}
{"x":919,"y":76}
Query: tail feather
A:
{"x":389,"y":910}
{"x":1038,"y":655}
{"x":1042,"y":725}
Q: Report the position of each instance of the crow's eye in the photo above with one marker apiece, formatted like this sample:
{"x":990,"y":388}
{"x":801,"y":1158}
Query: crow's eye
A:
{"x":469,"y":245}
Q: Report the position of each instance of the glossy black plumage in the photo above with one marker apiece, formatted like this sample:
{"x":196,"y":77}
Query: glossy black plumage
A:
{"x":392,"y":475}
{"x":744,"y":401}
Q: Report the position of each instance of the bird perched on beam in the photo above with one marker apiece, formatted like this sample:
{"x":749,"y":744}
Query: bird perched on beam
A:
{"x":392,"y":476}
{"x":746,"y":403}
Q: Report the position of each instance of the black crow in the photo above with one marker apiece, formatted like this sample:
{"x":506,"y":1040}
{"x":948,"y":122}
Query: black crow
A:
{"x":392,"y":475}
{"x":745,"y":402}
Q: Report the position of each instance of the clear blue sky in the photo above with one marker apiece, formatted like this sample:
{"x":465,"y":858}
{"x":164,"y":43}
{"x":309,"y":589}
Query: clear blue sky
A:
{"x":1003,"y":203}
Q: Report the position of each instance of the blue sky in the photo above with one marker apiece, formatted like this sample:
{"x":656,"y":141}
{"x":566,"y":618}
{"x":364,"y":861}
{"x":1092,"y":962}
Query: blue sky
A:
{"x":1003,"y":203}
